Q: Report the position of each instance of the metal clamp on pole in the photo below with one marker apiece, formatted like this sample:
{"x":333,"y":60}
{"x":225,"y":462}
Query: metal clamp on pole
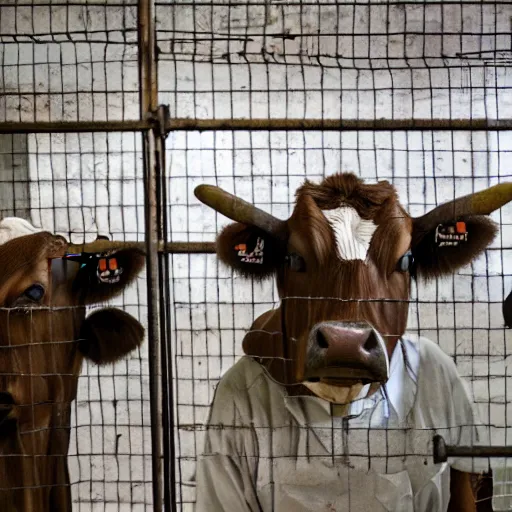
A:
{"x":160,"y":120}
{"x":442,"y":451}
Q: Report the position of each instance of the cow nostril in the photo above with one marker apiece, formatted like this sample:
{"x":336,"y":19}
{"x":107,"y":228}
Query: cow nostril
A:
{"x":321,"y":339}
{"x":371,"y":343}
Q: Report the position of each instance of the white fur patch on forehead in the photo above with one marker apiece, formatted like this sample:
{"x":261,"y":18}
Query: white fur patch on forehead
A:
{"x":14,"y":227}
{"x":353,"y":234}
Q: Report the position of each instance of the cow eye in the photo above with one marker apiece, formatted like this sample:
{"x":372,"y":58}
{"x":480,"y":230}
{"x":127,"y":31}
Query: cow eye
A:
{"x":406,"y":262}
{"x":35,"y":292}
{"x":295,"y":262}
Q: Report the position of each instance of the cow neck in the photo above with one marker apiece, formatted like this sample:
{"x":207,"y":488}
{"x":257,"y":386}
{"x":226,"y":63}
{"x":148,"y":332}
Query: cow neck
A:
{"x":292,"y":388}
{"x":286,"y":377}
{"x":274,"y":355}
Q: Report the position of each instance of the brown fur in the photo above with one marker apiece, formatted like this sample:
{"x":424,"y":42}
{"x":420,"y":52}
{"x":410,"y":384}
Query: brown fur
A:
{"x":40,"y":363}
{"x":482,"y":486}
{"x":108,"y":335}
{"x":91,"y":291}
{"x":21,"y":253}
{"x":237,"y":233}
{"x":433,"y":261}
{"x":347,"y":188}
{"x":329,"y":289}
{"x":462,"y":498}
{"x":310,"y":221}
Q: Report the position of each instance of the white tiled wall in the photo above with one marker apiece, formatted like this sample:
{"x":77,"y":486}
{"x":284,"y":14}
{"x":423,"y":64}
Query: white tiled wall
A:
{"x":421,"y":59}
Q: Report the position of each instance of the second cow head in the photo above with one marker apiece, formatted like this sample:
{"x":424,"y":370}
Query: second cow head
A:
{"x":45,"y":334}
{"x":343,"y":263}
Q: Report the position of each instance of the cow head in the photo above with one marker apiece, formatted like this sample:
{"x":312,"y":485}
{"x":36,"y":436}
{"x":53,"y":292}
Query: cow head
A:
{"x":343,"y":263}
{"x":44,"y":336}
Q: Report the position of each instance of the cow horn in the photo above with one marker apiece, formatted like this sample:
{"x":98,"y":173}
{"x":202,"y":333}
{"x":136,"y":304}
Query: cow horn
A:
{"x":239,"y":210}
{"x":479,"y":203}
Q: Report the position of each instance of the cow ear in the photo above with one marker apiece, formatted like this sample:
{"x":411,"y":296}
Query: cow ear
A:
{"x":249,"y":250}
{"x":108,"y":335}
{"x":105,"y":276}
{"x":446,"y":247}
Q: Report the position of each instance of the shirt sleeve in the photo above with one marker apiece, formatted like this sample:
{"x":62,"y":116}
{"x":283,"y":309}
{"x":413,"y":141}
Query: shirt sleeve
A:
{"x":226,"y":471}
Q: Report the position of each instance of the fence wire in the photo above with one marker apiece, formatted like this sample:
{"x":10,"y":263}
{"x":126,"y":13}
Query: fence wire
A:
{"x":214,"y":308}
{"x":325,"y":60}
{"x":73,"y":61}
{"x":348,"y":60}
{"x":317,"y":60}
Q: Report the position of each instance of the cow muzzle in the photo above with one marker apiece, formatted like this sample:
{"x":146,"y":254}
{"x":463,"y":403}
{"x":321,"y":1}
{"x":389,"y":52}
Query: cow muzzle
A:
{"x":345,"y":353}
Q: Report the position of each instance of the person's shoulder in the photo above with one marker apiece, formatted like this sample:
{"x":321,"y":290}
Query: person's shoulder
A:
{"x":432,"y":358}
{"x":443,"y":394}
{"x":242,"y":375}
{"x":247,"y":390}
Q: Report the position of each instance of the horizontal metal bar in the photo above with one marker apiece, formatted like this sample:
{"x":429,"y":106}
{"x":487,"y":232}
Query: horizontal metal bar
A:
{"x":316,"y":3}
{"x":189,"y":124}
{"x":169,"y":247}
{"x":74,"y":126}
{"x":442,"y":451}
{"x":273,"y":3}
{"x":339,"y":124}
{"x":189,"y":247}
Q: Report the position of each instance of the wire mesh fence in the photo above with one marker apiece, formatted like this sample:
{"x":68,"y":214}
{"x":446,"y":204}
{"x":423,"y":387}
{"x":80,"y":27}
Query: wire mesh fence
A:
{"x":69,"y":61}
{"x":379,"y":61}
{"x":324,"y":60}
{"x":348,"y":60}
{"x":215,"y":308}
{"x":81,"y":186}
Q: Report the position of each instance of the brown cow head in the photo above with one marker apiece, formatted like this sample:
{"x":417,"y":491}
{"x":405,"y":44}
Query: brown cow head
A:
{"x":44,"y":336}
{"x":343,"y":263}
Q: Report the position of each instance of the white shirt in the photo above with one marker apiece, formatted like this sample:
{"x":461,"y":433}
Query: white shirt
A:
{"x":268,"y":451}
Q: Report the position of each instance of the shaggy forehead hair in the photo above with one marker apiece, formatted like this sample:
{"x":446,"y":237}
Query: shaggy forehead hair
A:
{"x":348,"y":189}
{"x":23,"y":245}
{"x":318,"y":206}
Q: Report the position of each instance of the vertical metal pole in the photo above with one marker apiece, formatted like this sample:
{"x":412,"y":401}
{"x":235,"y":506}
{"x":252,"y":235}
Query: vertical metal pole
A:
{"x":148,"y":88}
{"x":169,"y":471}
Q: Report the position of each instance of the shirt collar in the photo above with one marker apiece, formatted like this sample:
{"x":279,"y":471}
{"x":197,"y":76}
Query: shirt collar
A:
{"x":403,"y":381}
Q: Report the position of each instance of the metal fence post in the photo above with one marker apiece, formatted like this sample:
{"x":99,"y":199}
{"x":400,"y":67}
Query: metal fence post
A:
{"x":148,"y":102}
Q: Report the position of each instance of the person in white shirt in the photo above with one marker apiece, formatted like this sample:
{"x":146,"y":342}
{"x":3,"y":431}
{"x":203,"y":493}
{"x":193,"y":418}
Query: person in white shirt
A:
{"x":334,"y":407}
{"x":266,"y":450}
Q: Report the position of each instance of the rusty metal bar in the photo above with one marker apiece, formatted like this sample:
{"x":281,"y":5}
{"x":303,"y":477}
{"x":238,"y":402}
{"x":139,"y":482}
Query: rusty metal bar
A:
{"x":147,"y":122}
{"x":75,"y":126}
{"x":442,"y":451}
{"x":164,"y":294}
{"x":167,"y":247}
{"x":290,"y":2}
{"x":153,"y":318}
{"x":338,"y":124}
{"x":148,"y":105}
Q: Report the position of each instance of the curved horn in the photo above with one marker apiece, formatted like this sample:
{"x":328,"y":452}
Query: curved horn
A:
{"x":239,"y":210}
{"x":479,"y":203}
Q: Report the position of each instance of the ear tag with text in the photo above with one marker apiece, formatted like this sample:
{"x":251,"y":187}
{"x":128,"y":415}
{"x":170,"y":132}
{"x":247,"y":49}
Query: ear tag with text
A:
{"x":256,"y":256}
{"x":108,"y":270}
{"x":451,"y":234}
{"x":107,"y":267}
